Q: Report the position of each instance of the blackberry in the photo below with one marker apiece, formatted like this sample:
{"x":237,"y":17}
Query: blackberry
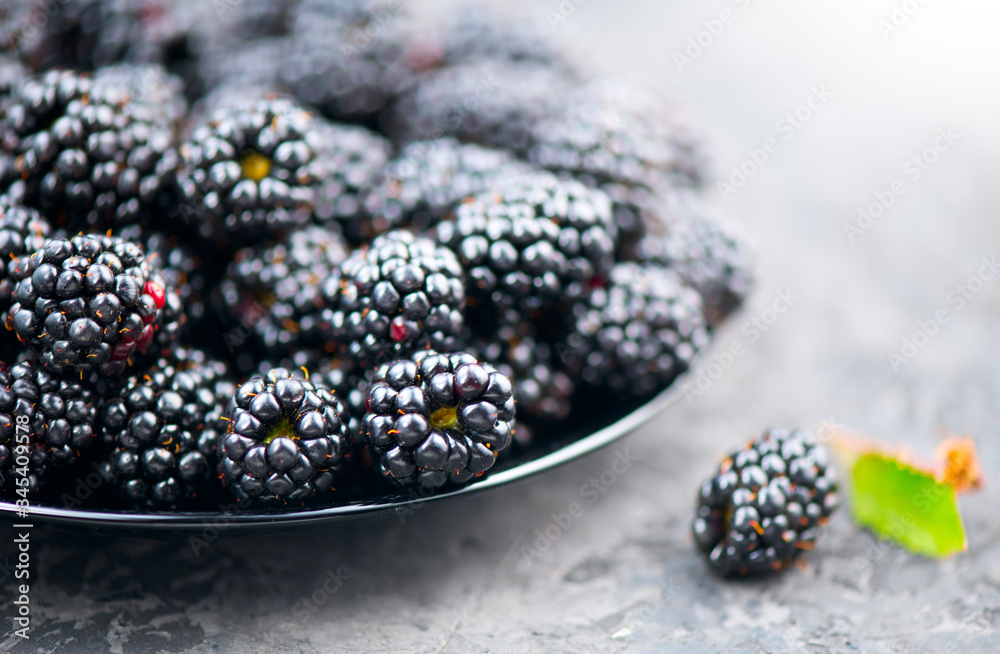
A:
{"x":275,"y":289}
{"x":22,"y":231}
{"x":532,"y":240}
{"x":400,"y":294}
{"x":93,"y":153}
{"x":160,"y":429}
{"x":88,"y":303}
{"x":56,"y":414}
{"x":543,"y":389}
{"x":635,"y":335}
{"x":438,"y":418}
{"x":267,"y":166}
{"x":712,"y":257}
{"x":765,"y":504}
{"x":429,"y":178}
{"x":493,"y":103}
{"x":287,"y":440}
{"x":629,"y":142}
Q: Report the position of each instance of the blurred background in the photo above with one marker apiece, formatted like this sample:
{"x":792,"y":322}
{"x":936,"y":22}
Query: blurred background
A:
{"x":847,"y":93}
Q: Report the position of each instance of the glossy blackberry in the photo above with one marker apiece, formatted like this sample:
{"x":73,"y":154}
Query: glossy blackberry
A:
{"x":260,"y":168}
{"x":88,"y":303}
{"x":532,"y":240}
{"x":287,"y":440}
{"x":160,"y":429}
{"x":712,"y":257}
{"x":635,"y":335}
{"x":438,"y":418}
{"x":493,"y":103}
{"x":274,"y":290}
{"x":93,"y":153}
{"x":400,"y":294}
{"x":22,"y":231}
{"x":508,"y":32}
{"x":429,"y":178}
{"x":543,"y":389}
{"x":765,"y":504}
{"x":624,"y":140}
{"x":56,"y":415}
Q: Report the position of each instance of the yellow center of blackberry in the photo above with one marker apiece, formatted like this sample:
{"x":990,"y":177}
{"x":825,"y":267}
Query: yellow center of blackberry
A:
{"x":282,"y":430}
{"x":255,"y":166}
{"x":444,"y":418}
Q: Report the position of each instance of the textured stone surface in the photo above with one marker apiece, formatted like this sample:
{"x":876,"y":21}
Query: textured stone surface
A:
{"x":624,"y":577}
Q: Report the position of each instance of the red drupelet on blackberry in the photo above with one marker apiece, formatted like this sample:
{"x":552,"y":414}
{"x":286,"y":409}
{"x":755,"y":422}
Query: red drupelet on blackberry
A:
{"x":438,"y":418}
{"x":765,"y":504}
{"x":287,"y":440}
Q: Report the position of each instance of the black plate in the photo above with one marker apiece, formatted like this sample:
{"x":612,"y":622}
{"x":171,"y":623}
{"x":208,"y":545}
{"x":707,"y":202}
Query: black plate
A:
{"x":574,"y":447}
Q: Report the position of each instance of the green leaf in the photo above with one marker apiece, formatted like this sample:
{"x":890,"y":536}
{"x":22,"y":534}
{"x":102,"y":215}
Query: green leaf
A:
{"x":907,"y":505}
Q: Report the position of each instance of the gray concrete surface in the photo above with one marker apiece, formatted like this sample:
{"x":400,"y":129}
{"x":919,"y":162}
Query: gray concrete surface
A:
{"x":474,"y":575}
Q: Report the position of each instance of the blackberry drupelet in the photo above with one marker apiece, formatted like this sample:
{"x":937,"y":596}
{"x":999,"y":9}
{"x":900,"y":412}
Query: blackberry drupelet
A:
{"x":57,"y":414}
{"x":629,"y":142}
{"x":260,"y":168}
{"x":400,"y":294}
{"x":429,"y":178}
{"x":532,"y":240}
{"x":275,"y":289}
{"x":287,"y":440}
{"x":635,"y":335}
{"x":93,"y":152}
{"x":22,"y":231}
{"x":160,"y":429}
{"x":765,"y":504}
{"x":493,"y":103}
{"x":712,"y":257}
{"x":88,"y":303}
{"x":438,"y":418}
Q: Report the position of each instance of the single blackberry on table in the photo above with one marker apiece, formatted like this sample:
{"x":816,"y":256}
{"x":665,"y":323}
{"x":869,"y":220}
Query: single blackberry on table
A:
{"x":531,"y":240}
{"x":429,"y":178}
{"x":265,"y":167}
{"x":493,"y":103}
{"x":710,"y":256}
{"x":89,"y":303}
{"x":287,"y":440}
{"x":160,"y":429}
{"x":438,"y":418}
{"x":765,"y":504}
{"x":400,"y":294}
{"x":629,"y":142}
{"x":638,"y":333}
{"x":22,"y":231}
{"x":275,"y":289}
{"x":56,"y":415}
{"x":543,"y":389}
{"x":93,"y":153}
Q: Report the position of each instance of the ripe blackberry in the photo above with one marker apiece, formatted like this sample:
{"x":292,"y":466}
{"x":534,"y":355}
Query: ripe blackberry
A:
{"x":89,"y":303}
{"x":438,"y":418}
{"x":287,"y":440}
{"x":160,"y":429}
{"x":624,"y":140}
{"x":267,"y":166}
{"x":56,"y":414}
{"x":765,"y":504}
{"x":531,"y":240}
{"x":22,"y":231}
{"x":93,"y":153}
{"x":400,"y":294}
{"x":493,"y":103}
{"x":542,"y":387}
{"x":275,"y":289}
{"x":635,"y":335}
{"x":429,"y":178}
{"x":710,"y":256}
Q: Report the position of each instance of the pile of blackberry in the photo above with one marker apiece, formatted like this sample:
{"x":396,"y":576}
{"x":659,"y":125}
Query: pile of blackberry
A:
{"x":244,"y":263}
